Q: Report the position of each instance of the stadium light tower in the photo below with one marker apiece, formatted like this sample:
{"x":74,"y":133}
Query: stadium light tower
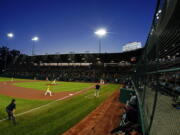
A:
{"x":34,"y":39}
{"x":10,"y":36}
{"x":100,"y":33}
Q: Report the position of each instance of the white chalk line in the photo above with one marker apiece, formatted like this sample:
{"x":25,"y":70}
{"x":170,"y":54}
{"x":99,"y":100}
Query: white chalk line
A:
{"x":31,"y":110}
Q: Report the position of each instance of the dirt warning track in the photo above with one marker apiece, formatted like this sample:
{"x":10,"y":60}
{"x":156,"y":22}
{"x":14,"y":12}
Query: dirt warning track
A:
{"x":102,"y":120}
{"x":8,"y":89}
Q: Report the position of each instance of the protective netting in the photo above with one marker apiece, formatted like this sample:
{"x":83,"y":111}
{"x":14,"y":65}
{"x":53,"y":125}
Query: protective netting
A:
{"x":157,"y":75}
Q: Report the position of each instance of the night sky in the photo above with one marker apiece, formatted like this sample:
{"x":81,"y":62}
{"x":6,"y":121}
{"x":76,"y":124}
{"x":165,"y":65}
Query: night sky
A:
{"x":69,"y":25}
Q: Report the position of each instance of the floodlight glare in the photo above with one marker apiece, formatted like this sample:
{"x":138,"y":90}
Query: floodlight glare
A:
{"x":159,"y":11}
{"x":35,"y":39}
{"x":100,"y":32}
{"x":10,"y":35}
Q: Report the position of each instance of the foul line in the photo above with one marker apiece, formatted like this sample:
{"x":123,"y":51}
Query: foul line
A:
{"x":19,"y":114}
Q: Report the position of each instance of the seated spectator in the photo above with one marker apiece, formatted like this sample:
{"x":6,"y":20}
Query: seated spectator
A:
{"x":128,"y":129}
{"x":128,"y":121}
{"x":177,"y":103}
{"x":177,"y":89}
{"x":133,"y":100}
{"x":128,"y":125}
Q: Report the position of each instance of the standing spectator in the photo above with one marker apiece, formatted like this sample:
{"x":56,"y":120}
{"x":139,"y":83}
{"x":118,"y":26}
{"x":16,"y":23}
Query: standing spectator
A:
{"x":10,"y":109}
{"x":97,"y":90}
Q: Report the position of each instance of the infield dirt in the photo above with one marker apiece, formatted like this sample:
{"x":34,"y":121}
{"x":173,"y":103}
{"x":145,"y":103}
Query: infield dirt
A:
{"x":8,"y":89}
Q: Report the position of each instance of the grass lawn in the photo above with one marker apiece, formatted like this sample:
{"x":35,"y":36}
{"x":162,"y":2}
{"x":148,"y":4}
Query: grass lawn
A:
{"x":22,"y":104}
{"x":57,"y":117}
{"x":3,"y":79}
{"x":61,"y":86}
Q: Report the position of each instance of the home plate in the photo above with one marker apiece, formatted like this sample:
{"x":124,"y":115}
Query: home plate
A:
{"x":71,"y":94}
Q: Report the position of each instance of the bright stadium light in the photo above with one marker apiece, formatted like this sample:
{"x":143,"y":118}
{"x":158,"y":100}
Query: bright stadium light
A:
{"x":158,"y":14}
{"x":159,"y":11}
{"x":35,"y":39}
{"x":10,"y":35}
{"x":100,"y":32}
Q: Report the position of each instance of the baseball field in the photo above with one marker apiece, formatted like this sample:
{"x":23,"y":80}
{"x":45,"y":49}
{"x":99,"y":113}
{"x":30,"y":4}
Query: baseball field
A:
{"x":37,"y":114}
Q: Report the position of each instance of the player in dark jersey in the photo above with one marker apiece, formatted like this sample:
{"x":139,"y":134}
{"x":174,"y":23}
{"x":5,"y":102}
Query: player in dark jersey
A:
{"x":10,"y":109}
{"x":97,"y":90}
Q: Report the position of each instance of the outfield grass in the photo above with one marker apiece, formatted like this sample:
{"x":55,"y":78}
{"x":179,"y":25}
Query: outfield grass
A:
{"x":61,"y":86}
{"x":57,"y":117}
{"x":3,"y":79}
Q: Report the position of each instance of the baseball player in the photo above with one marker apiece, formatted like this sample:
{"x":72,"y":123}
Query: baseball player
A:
{"x":97,"y":90}
{"x":54,"y":82}
{"x":48,"y":91}
{"x":10,"y":109}
{"x":101,"y":81}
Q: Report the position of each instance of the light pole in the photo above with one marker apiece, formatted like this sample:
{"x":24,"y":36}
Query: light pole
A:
{"x":100,"y":33}
{"x":34,"y":39}
{"x":10,"y":36}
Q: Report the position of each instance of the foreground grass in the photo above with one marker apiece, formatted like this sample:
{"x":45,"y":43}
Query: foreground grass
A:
{"x":22,"y":104}
{"x":61,"y":86}
{"x":57,"y":117}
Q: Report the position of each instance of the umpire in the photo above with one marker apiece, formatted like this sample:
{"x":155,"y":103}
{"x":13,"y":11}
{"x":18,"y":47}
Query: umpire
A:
{"x":10,"y":109}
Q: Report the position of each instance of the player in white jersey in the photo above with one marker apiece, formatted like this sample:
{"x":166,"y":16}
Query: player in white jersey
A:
{"x":48,"y":91}
{"x":101,"y":81}
{"x":54,"y":82}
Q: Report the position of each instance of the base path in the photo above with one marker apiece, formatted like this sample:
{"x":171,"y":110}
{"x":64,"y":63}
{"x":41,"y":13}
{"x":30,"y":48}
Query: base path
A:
{"x":102,"y":120}
{"x":8,"y":89}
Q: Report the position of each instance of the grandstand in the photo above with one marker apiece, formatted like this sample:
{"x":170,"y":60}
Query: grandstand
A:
{"x":74,"y":67}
